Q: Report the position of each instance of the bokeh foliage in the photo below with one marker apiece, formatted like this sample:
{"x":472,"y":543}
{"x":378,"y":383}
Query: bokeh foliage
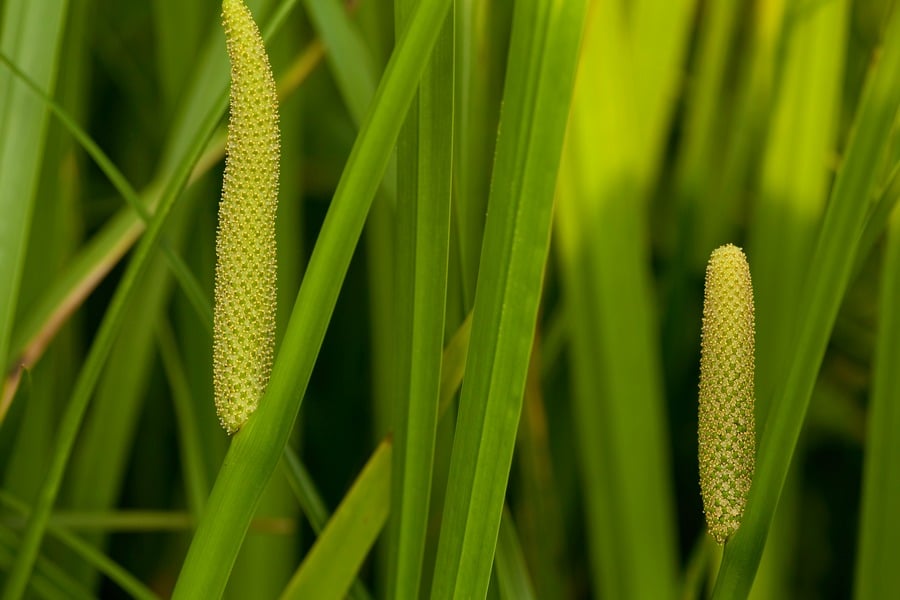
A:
{"x":565,"y":170}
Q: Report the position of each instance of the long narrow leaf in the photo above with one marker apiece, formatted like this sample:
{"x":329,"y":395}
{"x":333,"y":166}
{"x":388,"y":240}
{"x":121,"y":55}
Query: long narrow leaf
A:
{"x":876,"y":572}
{"x":90,"y":554}
{"x":512,"y":573}
{"x":23,"y":123}
{"x":189,"y":149}
{"x":90,"y":374}
{"x":795,"y":182}
{"x":826,"y":282}
{"x":540,"y":78}
{"x":332,"y":563}
{"x":255,"y":450}
{"x":618,"y":407}
{"x":86,"y":269}
{"x":421,"y":253}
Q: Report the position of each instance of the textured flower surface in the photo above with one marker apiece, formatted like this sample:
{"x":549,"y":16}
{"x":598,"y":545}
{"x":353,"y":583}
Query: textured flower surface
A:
{"x":727,"y":438}
{"x":244,"y":327}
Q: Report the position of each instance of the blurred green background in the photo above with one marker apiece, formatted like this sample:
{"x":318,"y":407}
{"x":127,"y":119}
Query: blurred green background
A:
{"x":704,"y":123}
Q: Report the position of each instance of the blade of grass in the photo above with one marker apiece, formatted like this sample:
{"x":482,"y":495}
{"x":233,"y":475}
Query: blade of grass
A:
{"x":305,"y":490}
{"x":703,"y":121}
{"x":453,"y":361}
{"x":312,"y":505}
{"x":786,"y":215}
{"x":692,"y":198}
{"x":100,"y":459}
{"x":196,"y":484}
{"x":31,"y":35}
{"x":40,"y":586}
{"x":878,"y":218}
{"x":353,"y":67}
{"x":356,"y":74}
{"x":758,"y":70}
{"x":267,"y":562}
{"x":482,"y":39}
{"x":90,"y":373}
{"x":795,"y":179}
{"x":538,"y":511}
{"x":177,"y":27}
{"x":89,"y":553}
{"x":618,"y":411}
{"x":50,"y":580}
{"x":332,"y":563}
{"x":453,"y":364}
{"x":512,"y":572}
{"x":351,"y":61}
{"x":825,"y":285}
{"x":660,"y":33}
{"x":208,"y":110}
{"x":256,"y":449}
{"x":879,"y":531}
{"x":182,"y":273}
{"x":146,"y":521}
{"x":12,"y":424}
{"x":55,"y":231}
{"x":539,"y":82}
{"x":195,"y":343}
{"x":424,"y":154}
{"x":99,"y":255}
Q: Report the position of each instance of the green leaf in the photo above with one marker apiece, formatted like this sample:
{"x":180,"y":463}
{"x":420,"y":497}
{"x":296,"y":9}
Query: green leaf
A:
{"x":794,"y":182}
{"x":453,"y":364}
{"x":351,"y":61}
{"x":196,"y":484}
{"x":49,"y":581}
{"x":878,"y":218}
{"x":256,"y":449}
{"x":312,"y":505}
{"x":356,"y":74}
{"x":876,"y":572}
{"x":827,"y":279}
{"x":539,"y":82}
{"x":618,"y":410}
{"x":96,"y":258}
{"x":332,"y":563}
{"x":31,"y":36}
{"x":512,"y":573}
{"x":89,"y":553}
{"x":703,"y":122}
{"x":188,"y":147}
{"x":481,"y":46}
{"x":424,"y":152}
{"x":660,"y":37}
{"x":90,"y":373}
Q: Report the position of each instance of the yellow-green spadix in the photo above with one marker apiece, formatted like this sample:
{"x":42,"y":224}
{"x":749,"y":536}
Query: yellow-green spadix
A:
{"x":244,"y":324}
{"x":727,"y":438}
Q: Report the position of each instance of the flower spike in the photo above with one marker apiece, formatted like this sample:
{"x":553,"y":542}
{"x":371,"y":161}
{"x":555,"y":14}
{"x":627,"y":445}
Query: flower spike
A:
{"x":244,"y":323}
{"x":727,"y":437}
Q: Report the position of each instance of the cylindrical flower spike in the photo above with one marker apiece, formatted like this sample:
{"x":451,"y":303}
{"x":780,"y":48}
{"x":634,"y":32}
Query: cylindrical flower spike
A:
{"x":727,"y":437}
{"x":244,"y":324}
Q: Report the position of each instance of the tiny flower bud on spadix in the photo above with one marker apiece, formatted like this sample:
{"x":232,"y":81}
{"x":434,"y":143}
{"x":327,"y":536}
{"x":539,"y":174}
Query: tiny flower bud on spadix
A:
{"x":727,"y":438}
{"x":244,"y":324}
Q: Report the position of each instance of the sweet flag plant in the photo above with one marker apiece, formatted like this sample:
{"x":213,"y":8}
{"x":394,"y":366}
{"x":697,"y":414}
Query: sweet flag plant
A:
{"x":244,"y":323}
{"x":727,"y":438}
